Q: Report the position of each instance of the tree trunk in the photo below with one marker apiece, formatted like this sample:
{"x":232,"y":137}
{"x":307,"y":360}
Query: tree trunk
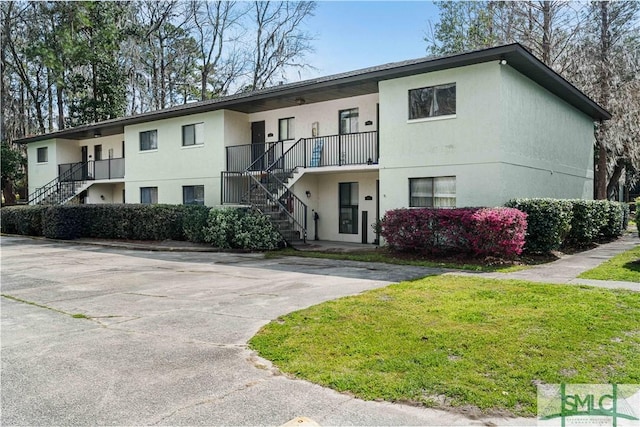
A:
{"x":546,"y":32}
{"x":7,"y":192}
{"x":60,"y":106}
{"x":601,"y":172}
{"x":612,"y":186}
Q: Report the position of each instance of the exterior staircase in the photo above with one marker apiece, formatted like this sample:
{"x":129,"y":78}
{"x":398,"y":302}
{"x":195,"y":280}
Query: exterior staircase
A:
{"x":62,"y":189}
{"x":266,"y":191}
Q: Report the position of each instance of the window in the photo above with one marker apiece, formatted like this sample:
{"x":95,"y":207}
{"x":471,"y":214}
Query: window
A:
{"x":43,"y":155}
{"x":193,"y":195}
{"x":285,"y":129}
{"x":149,"y":140}
{"x":348,"y":208}
{"x":432,"y":101}
{"x":432,"y":192}
{"x":348,"y":121}
{"x":148,"y":195}
{"x":193,"y":134}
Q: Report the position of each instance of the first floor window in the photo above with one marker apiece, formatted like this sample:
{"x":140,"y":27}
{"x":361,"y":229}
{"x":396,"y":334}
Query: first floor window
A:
{"x":193,"y":134}
{"x":432,"y":101}
{"x":43,"y":155}
{"x":437,"y":192}
{"x":193,"y":195}
{"x":348,"y":208}
{"x":148,"y":195}
{"x":149,"y":140}
{"x":285,"y":129}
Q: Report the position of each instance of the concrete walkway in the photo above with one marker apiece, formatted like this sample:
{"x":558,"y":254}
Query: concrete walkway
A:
{"x":567,"y":269}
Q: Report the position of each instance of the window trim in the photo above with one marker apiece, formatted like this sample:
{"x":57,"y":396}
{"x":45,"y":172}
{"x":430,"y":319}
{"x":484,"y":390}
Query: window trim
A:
{"x":195,"y":139}
{"x":46,"y":150}
{"x":432,"y":196}
{"x":140,"y":141}
{"x":437,"y":116}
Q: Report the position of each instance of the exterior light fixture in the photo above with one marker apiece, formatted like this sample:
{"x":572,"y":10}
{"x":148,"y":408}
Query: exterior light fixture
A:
{"x":96,"y":134}
{"x":300,"y":101}
{"x":308,"y":193}
{"x":503,"y":62}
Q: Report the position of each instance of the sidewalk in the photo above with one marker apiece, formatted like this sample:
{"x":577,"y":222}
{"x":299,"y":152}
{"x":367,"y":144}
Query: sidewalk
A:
{"x":569,"y":267}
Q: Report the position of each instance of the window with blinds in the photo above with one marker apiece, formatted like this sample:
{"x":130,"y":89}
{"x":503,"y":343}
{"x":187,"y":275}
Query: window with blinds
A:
{"x":439,"y":192}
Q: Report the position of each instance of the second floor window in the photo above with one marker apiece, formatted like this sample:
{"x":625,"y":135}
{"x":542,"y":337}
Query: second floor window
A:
{"x":432,"y":101}
{"x":149,"y":140}
{"x":285,"y":129}
{"x":193,"y":134}
{"x":348,"y":121}
{"x":43,"y":154}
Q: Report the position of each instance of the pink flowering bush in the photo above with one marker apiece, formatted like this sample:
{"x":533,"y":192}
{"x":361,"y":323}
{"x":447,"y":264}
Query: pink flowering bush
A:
{"x":477,"y":231}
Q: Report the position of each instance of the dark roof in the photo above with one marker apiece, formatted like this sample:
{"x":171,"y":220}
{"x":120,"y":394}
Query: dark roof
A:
{"x":352,"y":83}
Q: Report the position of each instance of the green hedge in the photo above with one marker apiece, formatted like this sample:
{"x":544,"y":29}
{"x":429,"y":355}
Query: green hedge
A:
{"x":240,"y":229}
{"x":553,"y":223}
{"x":25,"y":220}
{"x":132,"y":222}
{"x":548,"y":222}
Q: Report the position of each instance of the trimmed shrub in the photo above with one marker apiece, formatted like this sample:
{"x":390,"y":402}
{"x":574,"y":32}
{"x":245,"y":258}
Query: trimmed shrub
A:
{"x":25,"y":220}
{"x":548,"y":222}
{"x":62,"y":222}
{"x":481,"y":232}
{"x":194,"y":221}
{"x":107,"y":221}
{"x":498,"y":232}
{"x":617,"y":215}
{"x":240,"y":229}
{"x":590,"y":218}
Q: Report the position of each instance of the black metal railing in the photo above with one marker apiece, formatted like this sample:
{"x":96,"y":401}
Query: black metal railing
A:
{"x":92,"y":170}
{"x":59,"y":189}
{"x":332,"y":150}
{"x":253,"y":156}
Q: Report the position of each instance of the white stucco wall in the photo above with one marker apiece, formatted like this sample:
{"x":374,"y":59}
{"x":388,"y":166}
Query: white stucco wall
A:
{"x":173,"y":166}
{"x":465,"y":146}
{"x":324,"y":113}
{"x":105,"y":193}
{"x":509,"y":138}
{"x":41,"y":173}
{"x":546,"y":145}
{"x":325,"y":200}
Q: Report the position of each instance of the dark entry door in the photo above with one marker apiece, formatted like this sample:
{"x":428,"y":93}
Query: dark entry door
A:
{"x":85,"y":158}
{"x":257,"y":143}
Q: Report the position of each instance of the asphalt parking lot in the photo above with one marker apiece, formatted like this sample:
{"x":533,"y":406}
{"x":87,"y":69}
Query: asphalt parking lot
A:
{"x":97,"y":336}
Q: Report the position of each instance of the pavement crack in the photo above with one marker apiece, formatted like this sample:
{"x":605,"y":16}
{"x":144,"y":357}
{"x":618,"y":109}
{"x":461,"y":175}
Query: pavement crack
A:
{"x":145,"y":295}
{"x":46,"y":307}
{"x":206,"y":401}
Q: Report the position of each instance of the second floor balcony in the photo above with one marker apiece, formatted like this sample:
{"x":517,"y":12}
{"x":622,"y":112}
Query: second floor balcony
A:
{"x":93,"y":170}
{"x":333,"y":150}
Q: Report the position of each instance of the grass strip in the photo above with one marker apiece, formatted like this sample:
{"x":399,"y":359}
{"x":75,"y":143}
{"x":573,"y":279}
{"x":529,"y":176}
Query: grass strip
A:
{"x":624,"y":267}
{"x":451,"y":342}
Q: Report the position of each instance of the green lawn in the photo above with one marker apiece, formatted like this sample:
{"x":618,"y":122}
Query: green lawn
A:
{"x":451,"y":341}
{"x":624,"y":267}
{"x":384,"y":256}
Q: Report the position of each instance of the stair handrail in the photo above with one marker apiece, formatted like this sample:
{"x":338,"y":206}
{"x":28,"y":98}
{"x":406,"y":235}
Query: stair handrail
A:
{"x":42,"y":192}
{"x":281,"y":206}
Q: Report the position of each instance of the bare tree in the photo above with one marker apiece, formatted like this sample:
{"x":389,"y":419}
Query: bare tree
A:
{"x":280,"y":41}
{"x":217,"y":27}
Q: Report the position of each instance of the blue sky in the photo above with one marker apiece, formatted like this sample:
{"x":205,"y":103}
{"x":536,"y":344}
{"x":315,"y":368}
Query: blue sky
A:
{"x":358,"y":34}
